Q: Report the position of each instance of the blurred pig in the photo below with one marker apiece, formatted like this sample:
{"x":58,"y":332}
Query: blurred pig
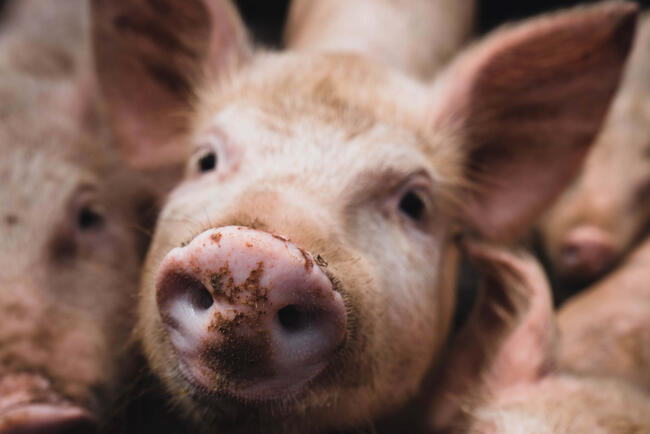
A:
{"x":416,"y":36}
{"x":503,"y":374}
{"x":301,"y":275}
{"x":607,"y":210}
{"x":606,"y":329}
{"x":71,"y":230}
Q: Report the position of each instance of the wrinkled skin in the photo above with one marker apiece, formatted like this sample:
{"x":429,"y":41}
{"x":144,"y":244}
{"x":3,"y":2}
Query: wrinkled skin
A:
{"x":606,"y":329}
{"x":505,"y":375}
{"x":71,"y":235}
{"x":366,"y":171}
{"x":604,"y":214}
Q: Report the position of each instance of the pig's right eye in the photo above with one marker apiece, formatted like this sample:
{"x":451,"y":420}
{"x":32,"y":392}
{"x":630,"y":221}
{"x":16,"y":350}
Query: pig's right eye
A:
{"x":412,"y":205}
{"x":89,"y":218}
{"x":207,"y":162}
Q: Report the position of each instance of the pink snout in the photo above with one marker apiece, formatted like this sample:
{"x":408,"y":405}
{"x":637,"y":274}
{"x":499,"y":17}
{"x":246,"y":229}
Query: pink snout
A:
{"x":250,"y":308}
{"x":586,"y":253}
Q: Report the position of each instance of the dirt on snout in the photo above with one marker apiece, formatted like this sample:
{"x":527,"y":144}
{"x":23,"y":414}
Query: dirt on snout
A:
{"x":245,"y":350}
{"x":250,"y":293}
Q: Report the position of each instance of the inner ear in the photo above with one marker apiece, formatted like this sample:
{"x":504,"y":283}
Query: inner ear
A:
{"x":150,"y":57}
{"x":527,"y":103}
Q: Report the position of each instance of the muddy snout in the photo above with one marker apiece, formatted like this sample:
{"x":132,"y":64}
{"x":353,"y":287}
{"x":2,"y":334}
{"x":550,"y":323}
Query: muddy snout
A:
{"x":249,"y":310}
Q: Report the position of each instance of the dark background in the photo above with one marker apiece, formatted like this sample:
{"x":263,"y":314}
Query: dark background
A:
{"x":266,"y":17}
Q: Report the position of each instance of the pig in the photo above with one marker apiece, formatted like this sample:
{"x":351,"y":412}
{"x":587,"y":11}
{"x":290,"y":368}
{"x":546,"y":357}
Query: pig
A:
{"x":607,"y":210}
{"x":418,"y":37}
{"x":606,"y":329}
{"x":300,"y":277}
{"x":504,"y":373}
{"x":73,"y":229}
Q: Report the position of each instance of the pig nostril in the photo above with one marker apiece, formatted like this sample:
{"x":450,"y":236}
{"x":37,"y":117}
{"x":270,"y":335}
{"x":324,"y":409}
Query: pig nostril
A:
{"x":199,"y":296}
{"x":292,"y":319}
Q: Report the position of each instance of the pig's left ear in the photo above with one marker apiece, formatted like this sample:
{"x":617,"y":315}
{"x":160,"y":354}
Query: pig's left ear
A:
{"x":528,"y":102}
{"x":509,"y":338}
{"x":150,"y":56}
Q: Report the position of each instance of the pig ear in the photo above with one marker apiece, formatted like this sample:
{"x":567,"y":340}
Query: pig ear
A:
{"x":508,"y":339}
{"x":528,"y":103}
{"x":148,"y":57}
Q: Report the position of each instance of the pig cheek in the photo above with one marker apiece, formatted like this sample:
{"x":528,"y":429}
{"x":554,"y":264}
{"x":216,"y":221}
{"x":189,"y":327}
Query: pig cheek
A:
{"x":150,"y":328}
{"x":82,"y":359}
{"x":184,"y":215}
{"x":406,"y":329}
{"x":73,"y":358}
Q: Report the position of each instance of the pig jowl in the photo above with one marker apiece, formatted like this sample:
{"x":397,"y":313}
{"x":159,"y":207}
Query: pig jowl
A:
{"x":348,"y":180}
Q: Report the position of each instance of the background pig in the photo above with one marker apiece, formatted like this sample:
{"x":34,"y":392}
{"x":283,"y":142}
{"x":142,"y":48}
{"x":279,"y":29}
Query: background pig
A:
{"x":301,"y":275}
{"x":418,"y":36}
{"x":503,"y":374}
{"x":71,"y":228}
{"x":607,"y":210}
{"x":606,"y":329}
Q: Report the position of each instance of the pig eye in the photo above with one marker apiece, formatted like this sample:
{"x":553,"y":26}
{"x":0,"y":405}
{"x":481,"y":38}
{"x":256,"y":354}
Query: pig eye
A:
{"x":208,"y":162}
{"x":89,"y":218}
{"x":412,"y":205}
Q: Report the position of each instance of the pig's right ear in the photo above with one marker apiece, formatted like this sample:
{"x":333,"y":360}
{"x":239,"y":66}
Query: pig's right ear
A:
{"x":509,"y":339}
{"x":527,"y":104}
{"x":149,"y":56}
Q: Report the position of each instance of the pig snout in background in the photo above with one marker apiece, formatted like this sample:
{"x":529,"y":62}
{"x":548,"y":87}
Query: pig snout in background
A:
{"x":606,"y":329}
{"x":605,"y":213}
{"x":279,"y":293}
{"x":73,"y":230}
{"x":505,"y":374}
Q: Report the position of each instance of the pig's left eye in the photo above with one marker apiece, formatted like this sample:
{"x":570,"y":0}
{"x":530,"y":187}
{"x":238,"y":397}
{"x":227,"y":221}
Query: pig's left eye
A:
{"x":89,"y":217}
{"x":208,"y":162}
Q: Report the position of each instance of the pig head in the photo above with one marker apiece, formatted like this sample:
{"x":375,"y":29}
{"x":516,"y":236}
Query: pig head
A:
{"x":301,"y":274}
{"x":504,"y":375}
{"x":71,"y":232}
{"x":602,"y":216}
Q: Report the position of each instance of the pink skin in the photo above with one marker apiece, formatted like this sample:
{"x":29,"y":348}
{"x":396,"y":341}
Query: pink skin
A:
{"x":368,"y":168}
{"x":260,"y":291}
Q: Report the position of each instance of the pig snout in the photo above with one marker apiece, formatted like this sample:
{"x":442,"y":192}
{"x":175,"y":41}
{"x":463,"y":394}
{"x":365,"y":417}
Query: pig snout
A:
{"x":251,"y":308}
{"x":586,"y":252}
{"x":29,"y":406}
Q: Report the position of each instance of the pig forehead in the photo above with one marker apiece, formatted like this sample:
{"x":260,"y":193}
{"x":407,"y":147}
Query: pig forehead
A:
{"x":36,"y":185}
{"x":309,"y":144}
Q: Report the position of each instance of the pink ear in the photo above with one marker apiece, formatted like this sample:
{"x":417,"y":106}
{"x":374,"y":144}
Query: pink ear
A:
{"x":149,"y":56}
{"x":528,"y":102}
{"x":509,"y":338}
